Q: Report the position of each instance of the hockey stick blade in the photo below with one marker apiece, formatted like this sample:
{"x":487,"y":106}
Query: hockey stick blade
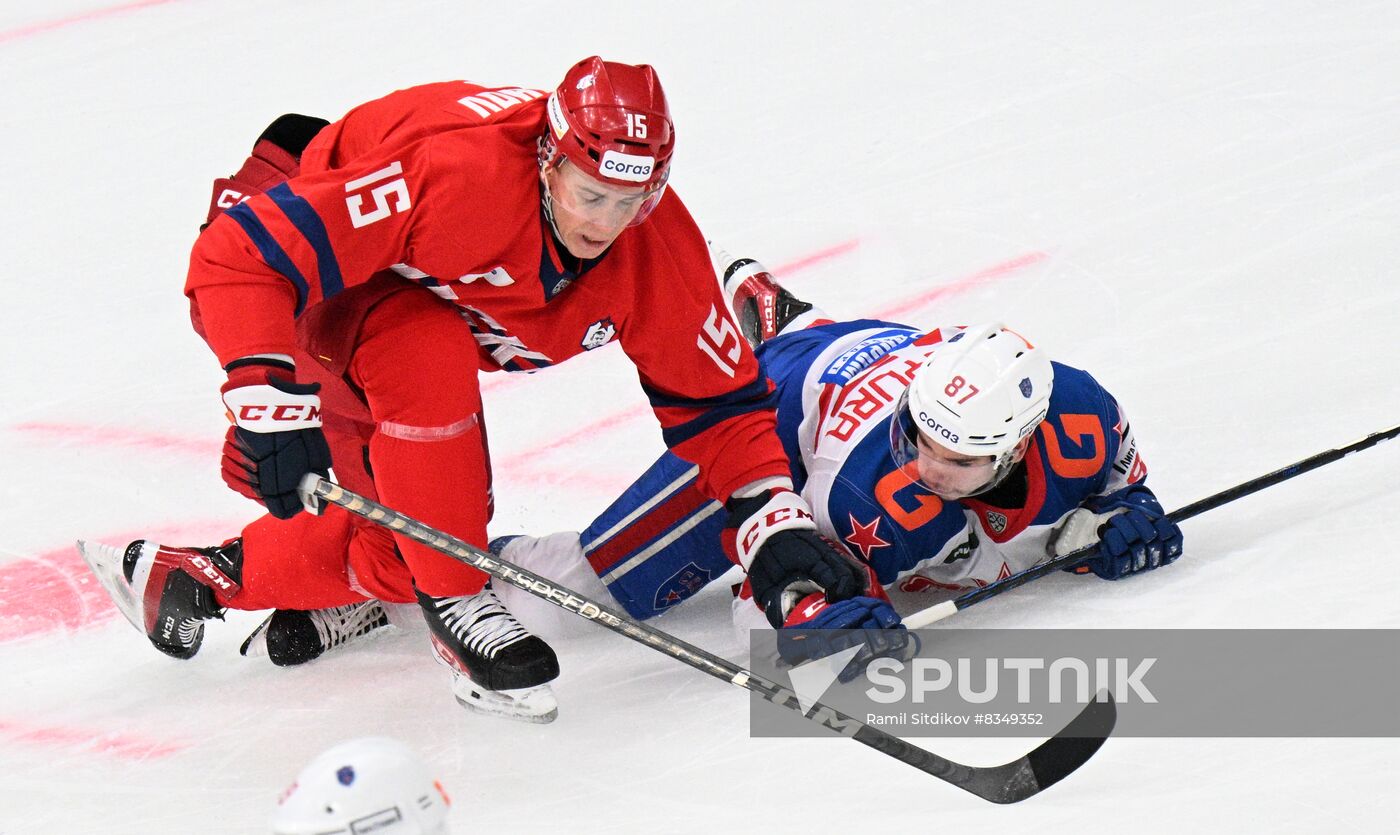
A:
{"x":1052,"y":760}
{"x":1049,"y":763}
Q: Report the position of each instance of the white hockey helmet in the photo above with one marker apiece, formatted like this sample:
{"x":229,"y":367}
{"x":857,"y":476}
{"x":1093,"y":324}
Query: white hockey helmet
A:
{"x":371,"y":784}
{"x":980,"y":393}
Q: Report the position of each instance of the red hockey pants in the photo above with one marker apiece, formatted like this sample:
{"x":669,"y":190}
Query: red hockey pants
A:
{"x":402,"y":413}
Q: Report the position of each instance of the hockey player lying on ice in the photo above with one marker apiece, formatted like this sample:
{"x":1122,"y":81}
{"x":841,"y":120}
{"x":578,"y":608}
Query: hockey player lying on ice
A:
{"x":940,"y":460}
{"x":365,"y":271}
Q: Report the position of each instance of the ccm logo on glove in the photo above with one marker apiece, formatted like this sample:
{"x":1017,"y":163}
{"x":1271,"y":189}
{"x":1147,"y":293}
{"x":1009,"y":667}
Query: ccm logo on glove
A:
{"x":784,"y":511}
{"x":265,"y":408}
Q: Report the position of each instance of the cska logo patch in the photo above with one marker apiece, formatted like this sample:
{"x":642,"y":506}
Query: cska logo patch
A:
{"x":996,"y":521}
{"x":685,"y":582}
{"x":599,"y":334}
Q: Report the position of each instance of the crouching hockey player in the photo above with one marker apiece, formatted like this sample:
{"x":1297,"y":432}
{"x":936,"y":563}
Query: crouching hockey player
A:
{"x":941,"y":460}
{"x":354,"y":278}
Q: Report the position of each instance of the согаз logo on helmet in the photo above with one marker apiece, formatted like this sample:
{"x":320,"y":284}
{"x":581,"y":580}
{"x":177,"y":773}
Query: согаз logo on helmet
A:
{"x":936,"y":428}
{"x":628,"y":167}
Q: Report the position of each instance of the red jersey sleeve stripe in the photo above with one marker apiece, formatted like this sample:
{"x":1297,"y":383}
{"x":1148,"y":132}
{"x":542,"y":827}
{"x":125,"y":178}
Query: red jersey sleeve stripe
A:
{"x":309,"y":224}
{"x":272,"y":253}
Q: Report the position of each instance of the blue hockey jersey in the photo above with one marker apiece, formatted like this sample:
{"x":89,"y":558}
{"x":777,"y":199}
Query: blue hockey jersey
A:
{"x":881,"y":513}
{"x":837,"y":387}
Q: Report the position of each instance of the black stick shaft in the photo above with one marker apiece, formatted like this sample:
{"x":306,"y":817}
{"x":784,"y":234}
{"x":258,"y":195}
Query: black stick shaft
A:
{"x":1226,"y":496}
{"x":990,"y":783}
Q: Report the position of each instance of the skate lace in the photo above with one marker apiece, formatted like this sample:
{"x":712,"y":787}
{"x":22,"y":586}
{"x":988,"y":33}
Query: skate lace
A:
{"x":480,"y":622}
{"x":340,"y":624}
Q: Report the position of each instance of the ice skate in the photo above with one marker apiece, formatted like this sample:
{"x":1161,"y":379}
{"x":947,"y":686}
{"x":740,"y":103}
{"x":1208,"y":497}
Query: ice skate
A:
{"x":165,"y":592}
{"x":289,"y":637}
{"x":761,"y":306}
{"x":498,"y":668}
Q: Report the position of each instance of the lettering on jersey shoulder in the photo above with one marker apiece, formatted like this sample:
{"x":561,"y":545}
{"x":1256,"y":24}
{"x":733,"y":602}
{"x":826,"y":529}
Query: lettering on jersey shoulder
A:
{"x":716,"y":334}
{"x":599,"y":334}
{"x":845,"y":367}
{"x":488,"y":103}
{"x":1129,"y":463}
{"x":387,"y":192}
{"x":866,"y":399}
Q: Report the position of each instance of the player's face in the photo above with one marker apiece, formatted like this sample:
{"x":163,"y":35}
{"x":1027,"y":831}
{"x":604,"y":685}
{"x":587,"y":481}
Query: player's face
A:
{"x":952,"y":475}
{"x":590,"y":214}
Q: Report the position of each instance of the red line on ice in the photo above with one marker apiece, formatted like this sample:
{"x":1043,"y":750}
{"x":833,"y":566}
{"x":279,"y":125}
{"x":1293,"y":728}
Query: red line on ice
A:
{"x":95,"y":14}
{"x":81,"y":434}
{"x":816,"y":257}
{"x":123,"y":746}
{"x":961,"y":285}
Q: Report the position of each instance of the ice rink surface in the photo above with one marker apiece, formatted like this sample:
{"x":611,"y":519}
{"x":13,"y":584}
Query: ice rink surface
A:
{"x":1198,"y":201}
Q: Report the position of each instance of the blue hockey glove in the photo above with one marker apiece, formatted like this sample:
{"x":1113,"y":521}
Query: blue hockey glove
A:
{"x":816,"y":629}
{"x":1134,"y":534}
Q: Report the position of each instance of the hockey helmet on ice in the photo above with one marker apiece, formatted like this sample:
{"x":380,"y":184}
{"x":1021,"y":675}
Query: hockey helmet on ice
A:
{"x":978,"y":394}
{"x":369,"y":784}
{"x":612,"y":121}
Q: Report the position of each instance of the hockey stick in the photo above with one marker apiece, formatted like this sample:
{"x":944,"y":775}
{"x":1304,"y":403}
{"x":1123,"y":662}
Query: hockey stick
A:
{"x":933,"y":614}
{"x":1050,"y":762}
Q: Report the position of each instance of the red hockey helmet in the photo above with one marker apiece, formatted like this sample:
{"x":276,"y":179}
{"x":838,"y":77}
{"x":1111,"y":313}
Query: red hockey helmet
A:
{"x":612,"y":121}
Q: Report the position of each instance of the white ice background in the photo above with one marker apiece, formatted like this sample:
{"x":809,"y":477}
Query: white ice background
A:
{"x":1198,"y":201}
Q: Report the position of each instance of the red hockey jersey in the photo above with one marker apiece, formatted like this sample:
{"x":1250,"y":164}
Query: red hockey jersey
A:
{"x":440,"y":183}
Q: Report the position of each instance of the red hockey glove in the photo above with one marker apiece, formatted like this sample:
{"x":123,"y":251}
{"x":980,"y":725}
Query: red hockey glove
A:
{"x":776,"y":541}
{"x":276,"y":158}
{"x":276,"y":436}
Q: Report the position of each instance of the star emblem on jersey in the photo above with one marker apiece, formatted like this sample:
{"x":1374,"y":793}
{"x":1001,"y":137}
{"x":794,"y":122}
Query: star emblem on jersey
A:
{"x":996,"y":521}
{"x":866,"y":537}
{"x":599,"y":334}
